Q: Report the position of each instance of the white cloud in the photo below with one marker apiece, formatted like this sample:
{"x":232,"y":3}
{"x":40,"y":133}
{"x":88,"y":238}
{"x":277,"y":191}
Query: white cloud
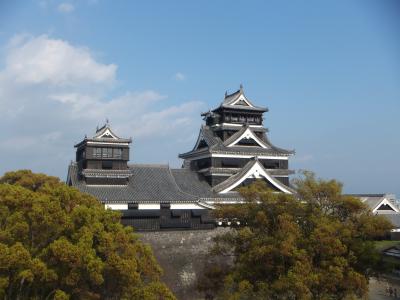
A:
{"x":52,"y":93}
{"x":179,"y":76}
{"x":35,"y":60}
{"x":65,"y":7}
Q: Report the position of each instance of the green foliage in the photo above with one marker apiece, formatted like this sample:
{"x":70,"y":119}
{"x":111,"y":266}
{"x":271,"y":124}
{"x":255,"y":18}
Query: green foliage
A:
{"x":57,"y":243}
{"x":315,"y":245}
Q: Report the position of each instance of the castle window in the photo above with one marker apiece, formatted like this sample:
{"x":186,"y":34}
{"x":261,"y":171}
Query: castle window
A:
{"x":117,"y":153}
{"x":107,"y":152}
{"x":96,"y":152}
{"x":107,"y":164}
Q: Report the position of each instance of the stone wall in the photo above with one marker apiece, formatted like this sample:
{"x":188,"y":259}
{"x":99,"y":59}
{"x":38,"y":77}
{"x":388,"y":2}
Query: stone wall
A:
{"x":182,"y":255}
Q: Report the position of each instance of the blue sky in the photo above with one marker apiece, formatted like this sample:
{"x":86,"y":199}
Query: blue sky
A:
{"x":329,"y":71}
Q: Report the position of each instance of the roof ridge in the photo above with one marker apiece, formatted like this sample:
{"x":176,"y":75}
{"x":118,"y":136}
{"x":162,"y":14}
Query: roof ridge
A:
{"x":237,"y":134}
{"x":234,"y":93}
{"x":278,"y":148}
{"x":178,"y":187}
{"x":149,"y":165}
{"x":233,"y":178}
{"x":254,"y":160}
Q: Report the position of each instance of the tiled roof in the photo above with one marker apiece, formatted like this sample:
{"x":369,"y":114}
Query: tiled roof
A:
{"x":216,"y":145}
{"x":147,"y":184}
{"x":373,"y":200}
{"x":231,"y":180}
{"x":152,"y":184}
{"x":106,"y":173}
{"x":394,"y":218}
{"x":108,"y":140}
{"x":236,"y":135}
{"x":232,"y":171}
{"x":192,"y":183}
{"x":243,"y":107}
{"x":230,"y":99}
{"x":209,"y":136}
{"x":97,"y":138}
{"x":227,"y":126}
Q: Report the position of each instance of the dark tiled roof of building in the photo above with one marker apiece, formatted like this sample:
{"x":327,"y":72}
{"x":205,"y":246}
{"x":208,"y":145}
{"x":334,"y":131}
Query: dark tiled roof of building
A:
{"x":104,"y":135}
{"x":373,"y":200}
{"x":152,"y":184}
{"x":231,"y":98}
{"x":394,"y":218}
{"x":216,"y":145}
{"x":209,"y":136}
{"x":192,"y":183}
{"x":106,"y":173}
{"x":232,"y":171}
{"x":147,"y":184}
{"x":242,"y":107}
{"x":236,"y":135}
{"x":231,"y":180}
{"x":224,"y":126}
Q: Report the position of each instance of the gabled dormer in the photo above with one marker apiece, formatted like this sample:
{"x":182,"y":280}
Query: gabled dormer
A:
{"x":105,"y":132}
{"x":238,"y":99}
{"x":247,"y":138}
{"x":253,"y":170}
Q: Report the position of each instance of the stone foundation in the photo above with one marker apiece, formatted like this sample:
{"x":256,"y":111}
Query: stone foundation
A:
{"x":182,"y":255}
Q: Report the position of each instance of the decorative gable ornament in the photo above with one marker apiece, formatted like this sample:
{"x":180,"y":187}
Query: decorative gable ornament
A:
{"x":257,"y":171}
{"x":107,"y":134}
{"x":385,"y":206}
{"x":242,"y":100}
{"x":247,"y":135}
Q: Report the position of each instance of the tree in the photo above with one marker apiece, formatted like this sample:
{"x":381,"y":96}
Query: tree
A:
{"x":315,"y":245}
{"x":58,"y":243}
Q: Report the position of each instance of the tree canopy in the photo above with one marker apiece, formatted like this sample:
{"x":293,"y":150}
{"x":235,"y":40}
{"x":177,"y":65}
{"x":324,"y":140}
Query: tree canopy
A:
{"x":58,"y":243}
{"x":314,"y":245}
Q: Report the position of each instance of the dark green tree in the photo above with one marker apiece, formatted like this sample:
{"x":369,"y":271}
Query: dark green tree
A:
{"x":317,"y":244}
{"x":58,"y":243}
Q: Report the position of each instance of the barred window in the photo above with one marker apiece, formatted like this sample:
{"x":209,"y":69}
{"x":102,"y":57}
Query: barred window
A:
{"x":96,"y":152}
{"x":107,"y":152}
{"x":117,"y":153}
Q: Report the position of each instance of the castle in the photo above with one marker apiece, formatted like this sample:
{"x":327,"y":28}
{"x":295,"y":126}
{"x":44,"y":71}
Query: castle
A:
{"x":232,"y":150}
